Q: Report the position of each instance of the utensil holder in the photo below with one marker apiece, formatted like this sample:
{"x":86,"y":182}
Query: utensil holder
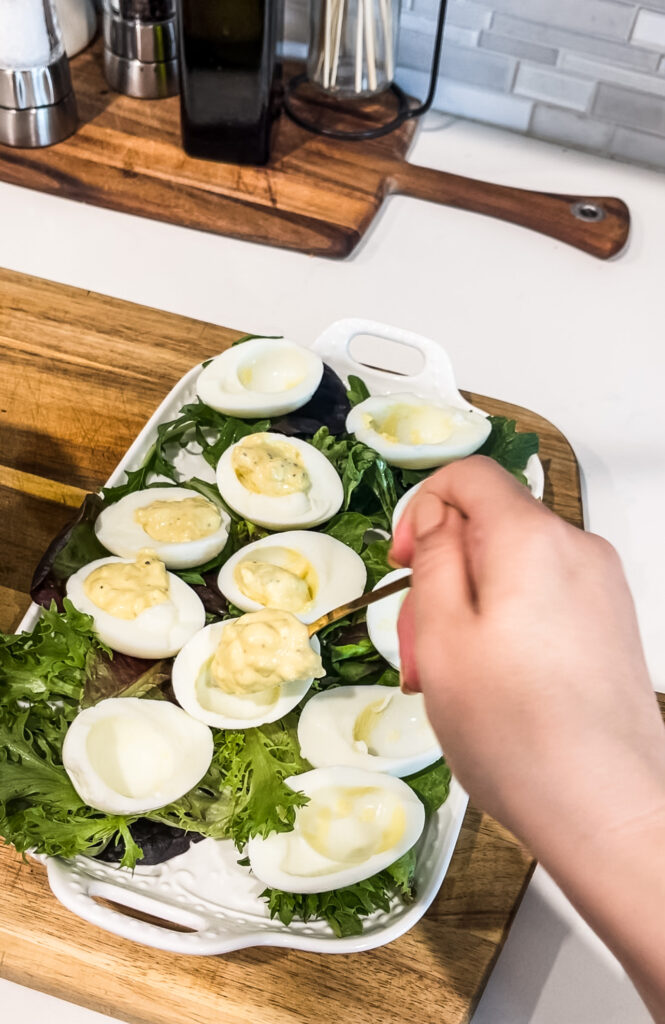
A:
{"x":353,"y":46}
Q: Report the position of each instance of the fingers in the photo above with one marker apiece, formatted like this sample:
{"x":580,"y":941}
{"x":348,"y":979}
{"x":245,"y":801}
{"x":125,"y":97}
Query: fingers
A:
{"x":406,"y":632}
{"x":489,"y":500}
{"x":442,"y":592}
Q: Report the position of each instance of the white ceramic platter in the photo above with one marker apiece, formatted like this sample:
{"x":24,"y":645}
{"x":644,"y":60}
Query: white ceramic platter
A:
{"x":205,"y":889}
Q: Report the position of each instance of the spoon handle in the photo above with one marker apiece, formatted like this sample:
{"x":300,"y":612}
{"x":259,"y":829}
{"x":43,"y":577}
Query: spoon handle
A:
{"x":360,"y":602}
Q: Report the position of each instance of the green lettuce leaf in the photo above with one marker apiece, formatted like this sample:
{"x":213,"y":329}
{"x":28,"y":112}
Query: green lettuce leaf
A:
{"x":357,"y":390}
{"x":343,"y":909}
{"x":432,"y":785}
{"x":510,"y":449}
{"x":52,"y":662}
{"x":243,"y":793}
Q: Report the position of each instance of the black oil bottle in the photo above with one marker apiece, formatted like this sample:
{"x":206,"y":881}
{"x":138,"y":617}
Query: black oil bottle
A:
{"x":228,"y":77}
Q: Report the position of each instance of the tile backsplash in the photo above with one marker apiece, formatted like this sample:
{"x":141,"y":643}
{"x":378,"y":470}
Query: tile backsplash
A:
{"x":585,"y":73}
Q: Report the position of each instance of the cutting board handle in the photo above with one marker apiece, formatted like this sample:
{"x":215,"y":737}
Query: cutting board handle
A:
{"x":596,"y":224}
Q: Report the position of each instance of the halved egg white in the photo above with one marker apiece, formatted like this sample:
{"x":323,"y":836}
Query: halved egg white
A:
{"x":339,"y":573}
{"x":202,"y":699}
{"x":410,"y":432}
{"x":118,"y":530}
{"x":535,"y":480}
{"x":260,"y":377}
{"x":382,"y":619}
{"x":157,"y":632}
{"x":127,"y":755}
{"x":310,"y":507}
{"x":356,"y":824}
{"x":377,"y":728}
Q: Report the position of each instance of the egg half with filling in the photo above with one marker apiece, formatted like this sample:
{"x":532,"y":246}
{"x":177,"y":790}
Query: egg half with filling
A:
{"x":137,"y":606}
{"x":300,"y":571}
{"x":128,"y":755}
{"x":382,"y":619}
{"x":279,"y":482}
{"x":356,"y":824}
{"x":246,"y":671}
{"x":260,"y":377}
{"x":413,"y":433}
{"x":182,"y":527}
{"x":377,"y":728}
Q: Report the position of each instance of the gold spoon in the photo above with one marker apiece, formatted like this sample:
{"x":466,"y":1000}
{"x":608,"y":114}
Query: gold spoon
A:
{"x":360,"y":602}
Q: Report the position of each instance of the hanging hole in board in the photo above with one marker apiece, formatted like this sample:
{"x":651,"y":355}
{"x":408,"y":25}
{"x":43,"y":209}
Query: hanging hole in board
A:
{"x":587,"y":211}
{"x":395,"y":357}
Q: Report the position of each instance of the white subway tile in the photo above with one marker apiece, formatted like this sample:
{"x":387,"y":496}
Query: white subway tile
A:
{"x":597,"y":17}
{"x":478,"y":67}
{"x":541,"y":83}
{"x":649,"y":29}
{"x":629,"y":108}
{"x":470,"y":101}
{"x":518,"y":48}
{"x":638,"y":147}
{"x":548,"y":35}
{"x":569,"y":128}
{"x":611,"y":73}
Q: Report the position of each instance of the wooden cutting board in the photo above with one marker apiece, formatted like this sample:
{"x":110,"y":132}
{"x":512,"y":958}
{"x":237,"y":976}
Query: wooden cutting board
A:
{"x":81,"y":374}
{"x":317,"y":195}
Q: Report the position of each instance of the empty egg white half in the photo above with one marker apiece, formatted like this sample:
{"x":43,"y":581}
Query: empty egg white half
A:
{"x":319,"y":498}
{"x":410,"y":432}
{"x":400,"y":507}
{"x":337,"y":574}
{"x":201,"y":698}
{"x":118,"y":529}
{"x":377,"y":728}
{"x":127,"y":755}
{"x":382,"y":619}
{"x":260,"y":377}
{"x":356,"y":824}
{"x":157,"y":632}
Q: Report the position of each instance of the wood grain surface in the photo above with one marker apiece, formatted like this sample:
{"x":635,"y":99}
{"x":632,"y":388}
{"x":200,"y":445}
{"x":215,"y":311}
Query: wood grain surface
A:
{"x":81,"y":374}
{"x":317,"y":195}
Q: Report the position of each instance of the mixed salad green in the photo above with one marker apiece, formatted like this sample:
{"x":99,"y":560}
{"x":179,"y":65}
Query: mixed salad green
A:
{"x":48,"y":675}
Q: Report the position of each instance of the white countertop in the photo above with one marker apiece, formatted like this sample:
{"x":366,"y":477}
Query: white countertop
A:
{"x":525,"y":319}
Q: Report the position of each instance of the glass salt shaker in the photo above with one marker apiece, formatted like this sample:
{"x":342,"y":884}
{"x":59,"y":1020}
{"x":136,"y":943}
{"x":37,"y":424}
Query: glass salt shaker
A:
{"x":353,"y":46}
{"x":37,"y":104}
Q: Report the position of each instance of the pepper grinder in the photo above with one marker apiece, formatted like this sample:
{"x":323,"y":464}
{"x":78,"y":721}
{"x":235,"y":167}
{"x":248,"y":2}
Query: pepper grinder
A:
{"x":37,"y":105}
{"x":140,"y":47}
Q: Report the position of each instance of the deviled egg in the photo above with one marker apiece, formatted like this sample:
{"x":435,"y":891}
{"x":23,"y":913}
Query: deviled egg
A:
{"x":181,"y":526}
{"x":377,"y":728}
{"x":382,"y":619}
{"x":300,"y":571}
{"x":137,"y":606}
{"x":356,"y":824}
{"x":246,"y":671}
{"x":279,"y":482}
{"x":128,"y":755}
{"x":413,"y":433}
{"x":260,"y":377}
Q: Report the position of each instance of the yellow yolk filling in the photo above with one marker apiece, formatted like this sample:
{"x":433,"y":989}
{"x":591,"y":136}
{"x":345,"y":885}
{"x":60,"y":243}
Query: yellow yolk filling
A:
{"x":367,"y":721}
{"x":350,"y":825}
{"x":413,"y":424}
{"x":272,"y":468}
{"x":177,"y":522}
{"x":277,"y":578}
{"x":125,"y":589}
{"x":262,"y":650}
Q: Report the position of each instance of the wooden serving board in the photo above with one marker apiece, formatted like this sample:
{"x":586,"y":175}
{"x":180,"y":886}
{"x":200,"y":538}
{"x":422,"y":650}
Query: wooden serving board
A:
{"x":317,"y":195}
{"x":81,"y":373}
